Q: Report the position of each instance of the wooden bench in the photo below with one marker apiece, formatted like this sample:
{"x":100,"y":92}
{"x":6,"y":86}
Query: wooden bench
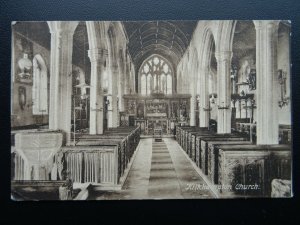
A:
{"x":249,"y":169}
{"x":199,"y":155}
{"x":178,"y":130}
{"x":41,"y":190}
{"x":213,"y":159}
{"x":102,"y":159}
{"x":179,"y":133}
{"x":204,"y":146}
{"x":184,"y":136}
{"x":93,"y":164}
{"x":191,"y":150}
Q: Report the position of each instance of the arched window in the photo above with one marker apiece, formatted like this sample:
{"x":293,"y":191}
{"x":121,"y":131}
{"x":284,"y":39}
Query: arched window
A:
{"x":40,"y":87}
{"x":149,"y":80}
{"x":159,"y":76}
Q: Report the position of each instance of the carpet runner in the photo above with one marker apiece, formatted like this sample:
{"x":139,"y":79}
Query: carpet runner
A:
{"x":163,"y":181}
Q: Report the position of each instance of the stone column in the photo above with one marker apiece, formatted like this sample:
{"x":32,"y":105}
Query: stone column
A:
{"x":193,"y":102}
{"x":61,"y":76}
{"x":224,"y":91}
{"x":178,"y":83}
{"x":192,"y":113}
{"x":112,"y":109}
{"x":266,"y":73}
{"x":97,"y":58}
{"x":204,"y":99}
{"x":121,"y":84}
{"x":127,"y":76}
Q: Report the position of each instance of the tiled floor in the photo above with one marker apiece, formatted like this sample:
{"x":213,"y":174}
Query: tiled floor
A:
{"x":160,"y":170}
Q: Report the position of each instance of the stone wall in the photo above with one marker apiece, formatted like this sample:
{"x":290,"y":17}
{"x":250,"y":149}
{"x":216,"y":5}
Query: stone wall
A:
{"x":283,"y":54}
{"x":22,"y":114}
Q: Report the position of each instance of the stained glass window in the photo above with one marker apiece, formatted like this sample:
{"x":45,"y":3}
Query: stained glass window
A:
{"x":156,"y":76}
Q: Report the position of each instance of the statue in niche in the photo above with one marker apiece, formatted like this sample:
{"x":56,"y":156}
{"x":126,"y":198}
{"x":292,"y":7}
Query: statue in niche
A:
{"x":247,"y":76}
{"x":140,"y":110}
{"x":25,"y":69}
{"x":234,"y":79}
{"x":131,"y":107}
{"x":182,"y":112}
{"x":213,"y":106}
{"x":251,"y":79}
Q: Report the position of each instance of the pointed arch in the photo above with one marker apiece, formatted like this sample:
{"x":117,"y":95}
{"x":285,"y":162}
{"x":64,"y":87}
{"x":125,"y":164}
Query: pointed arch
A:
{"x":40,"y":86}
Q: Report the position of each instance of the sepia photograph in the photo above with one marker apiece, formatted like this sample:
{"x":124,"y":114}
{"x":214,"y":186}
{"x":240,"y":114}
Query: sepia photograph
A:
{"x":158,"y":109}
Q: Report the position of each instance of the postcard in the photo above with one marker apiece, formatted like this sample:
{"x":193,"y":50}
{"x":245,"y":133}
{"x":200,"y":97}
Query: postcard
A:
{"x":106,"y":110}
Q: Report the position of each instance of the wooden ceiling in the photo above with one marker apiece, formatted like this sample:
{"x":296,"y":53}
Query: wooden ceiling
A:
{"x":166,"y":38}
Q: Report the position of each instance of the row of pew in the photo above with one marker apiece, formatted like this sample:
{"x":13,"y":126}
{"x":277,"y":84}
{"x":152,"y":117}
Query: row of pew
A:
{"x":100,"y":159}
{"x":234,"y":166}
{"x":39,"y":160}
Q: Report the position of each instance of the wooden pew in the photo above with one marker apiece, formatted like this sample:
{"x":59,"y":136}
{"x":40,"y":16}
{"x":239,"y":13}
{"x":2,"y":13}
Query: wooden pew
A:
{"x":184,"y":136}
{"x":201,"y":155}
{"x":124,"y":150}
{"x":178,"y":130}
{"x":103,"y":158}
{"x":40,"y":190}
{"x":178,"y":134}
{"x":130,"y":135}
{"x":93,"y":164}
{"x":213,"y":160}
{"x":192,"y":142}
{"x":249,"y":169}
{"x":214,"y":137}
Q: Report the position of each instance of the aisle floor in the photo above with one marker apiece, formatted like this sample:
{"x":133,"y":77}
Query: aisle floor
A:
{"x":160,"y":170}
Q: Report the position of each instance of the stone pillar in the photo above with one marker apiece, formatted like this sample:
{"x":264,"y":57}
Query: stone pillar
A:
{"x":178,"y":82}
{"x":61,"y":76}
{"x":112,"y":109}
{"x":193,"y":101}
{"x":204,"y":99}
{"x":127,"y":76}
{"x":192,"y":109}
{"x":224,"y":91}
{"x":266,"y":73}
{"x":97,"y":58}
{"x":121,"y":85}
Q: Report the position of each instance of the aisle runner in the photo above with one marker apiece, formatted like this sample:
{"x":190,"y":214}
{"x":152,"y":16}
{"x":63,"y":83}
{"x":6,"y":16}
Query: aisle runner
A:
{"x":163,"y":182}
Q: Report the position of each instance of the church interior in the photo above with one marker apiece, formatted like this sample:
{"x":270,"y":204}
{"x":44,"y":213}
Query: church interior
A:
{"x":150,"y":109}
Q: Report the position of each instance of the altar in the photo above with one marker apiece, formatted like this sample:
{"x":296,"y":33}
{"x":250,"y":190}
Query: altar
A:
{"x":156,"y":110}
